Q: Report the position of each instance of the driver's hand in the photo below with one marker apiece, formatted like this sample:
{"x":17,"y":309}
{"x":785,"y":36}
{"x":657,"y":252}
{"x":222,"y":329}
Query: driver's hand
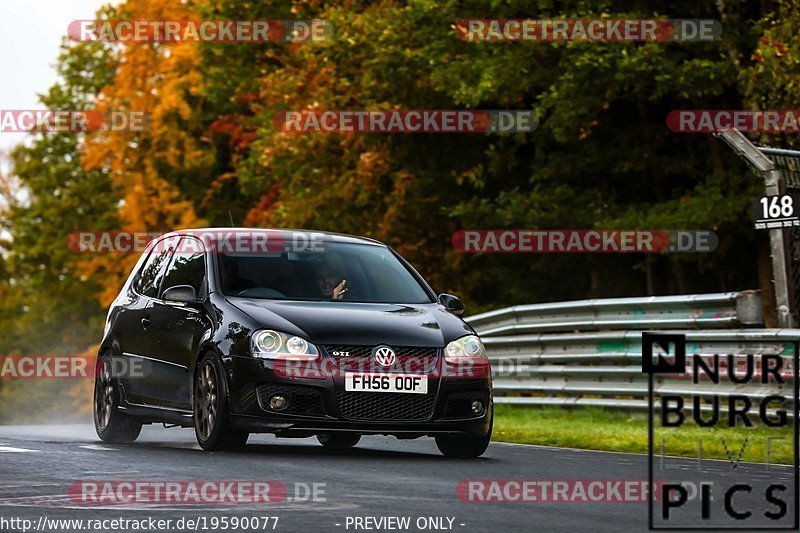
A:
{"x":339,"y":290}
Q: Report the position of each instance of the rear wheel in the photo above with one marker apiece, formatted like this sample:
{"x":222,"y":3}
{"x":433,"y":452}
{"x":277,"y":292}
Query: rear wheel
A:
{"x":338,"y":441}
{"x":110,"y":424}
{"x":465,"y":447}
{"x":210,"y":405}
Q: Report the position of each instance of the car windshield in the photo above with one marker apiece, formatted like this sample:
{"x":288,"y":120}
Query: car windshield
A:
{"x":332,"y":271}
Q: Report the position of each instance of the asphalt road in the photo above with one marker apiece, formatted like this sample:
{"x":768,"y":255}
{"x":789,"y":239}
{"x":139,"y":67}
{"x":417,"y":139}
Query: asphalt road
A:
{"x":381,"y":478}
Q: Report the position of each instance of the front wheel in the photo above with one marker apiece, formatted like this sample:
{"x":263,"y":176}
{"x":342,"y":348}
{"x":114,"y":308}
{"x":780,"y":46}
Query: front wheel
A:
{"x":210,"y":406}
{"x":111,"y":425}
{"x":465,"y":446}
{"x":338,"y":441}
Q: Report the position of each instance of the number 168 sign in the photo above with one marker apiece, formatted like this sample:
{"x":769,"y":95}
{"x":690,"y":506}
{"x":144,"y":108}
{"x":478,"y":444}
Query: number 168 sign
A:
{"x":775,"y":212}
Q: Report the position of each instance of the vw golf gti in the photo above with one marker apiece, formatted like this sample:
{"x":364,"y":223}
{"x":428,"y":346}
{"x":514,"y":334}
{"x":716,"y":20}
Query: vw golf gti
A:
{"x":294,"y":333}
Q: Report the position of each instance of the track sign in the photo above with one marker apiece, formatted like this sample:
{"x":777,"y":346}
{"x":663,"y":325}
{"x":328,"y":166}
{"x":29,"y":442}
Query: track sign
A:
{"x":776,"y":212}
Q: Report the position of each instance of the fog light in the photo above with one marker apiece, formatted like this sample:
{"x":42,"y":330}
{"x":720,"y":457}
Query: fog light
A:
{"x":477,"y":407}
{"x":278,"y":402}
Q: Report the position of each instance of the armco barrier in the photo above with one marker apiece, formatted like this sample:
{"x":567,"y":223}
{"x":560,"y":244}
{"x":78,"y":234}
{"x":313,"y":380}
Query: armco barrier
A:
{"x":724,"y":310}
{"x":589,"y":352}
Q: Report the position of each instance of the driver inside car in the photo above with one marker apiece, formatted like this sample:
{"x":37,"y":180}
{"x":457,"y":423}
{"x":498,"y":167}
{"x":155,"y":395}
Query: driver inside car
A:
{"x":325,"y":280}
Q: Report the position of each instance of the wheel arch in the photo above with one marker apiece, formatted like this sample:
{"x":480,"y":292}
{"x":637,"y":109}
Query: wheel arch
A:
{"x":195,"y":365}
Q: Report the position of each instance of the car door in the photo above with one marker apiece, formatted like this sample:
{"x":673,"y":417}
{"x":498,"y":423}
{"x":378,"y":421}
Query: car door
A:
{"x":134,"y":323}
{"x":177,"y":328}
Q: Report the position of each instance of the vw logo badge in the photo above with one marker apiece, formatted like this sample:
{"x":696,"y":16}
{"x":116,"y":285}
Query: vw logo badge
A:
{"x":384,"y":355}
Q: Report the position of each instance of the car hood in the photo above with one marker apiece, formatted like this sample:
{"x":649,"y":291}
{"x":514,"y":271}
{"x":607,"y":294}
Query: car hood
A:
{"x":358,"y":323}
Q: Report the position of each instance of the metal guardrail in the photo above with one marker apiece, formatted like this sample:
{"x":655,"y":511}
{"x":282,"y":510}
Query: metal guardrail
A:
{"x":589,"y":352}
{"x":728,"y":309}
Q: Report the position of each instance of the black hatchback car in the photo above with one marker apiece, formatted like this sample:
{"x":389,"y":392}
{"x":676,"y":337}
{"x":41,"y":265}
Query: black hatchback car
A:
{"x":294,"y":333}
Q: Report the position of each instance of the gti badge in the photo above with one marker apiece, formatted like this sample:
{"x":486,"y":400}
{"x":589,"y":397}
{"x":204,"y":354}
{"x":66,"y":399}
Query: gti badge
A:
{"x":384,"y":355}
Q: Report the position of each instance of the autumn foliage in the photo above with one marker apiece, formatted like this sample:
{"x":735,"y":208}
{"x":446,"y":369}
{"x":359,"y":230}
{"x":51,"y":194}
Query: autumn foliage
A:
{"x":602,"y":157}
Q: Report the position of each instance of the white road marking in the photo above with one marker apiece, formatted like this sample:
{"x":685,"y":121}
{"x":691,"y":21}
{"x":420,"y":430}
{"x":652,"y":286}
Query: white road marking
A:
{"x":97,"y":447}
{"x":9,"y":449}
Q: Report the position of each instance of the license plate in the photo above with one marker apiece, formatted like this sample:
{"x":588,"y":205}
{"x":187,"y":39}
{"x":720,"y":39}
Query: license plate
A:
{"x":406,"y":383}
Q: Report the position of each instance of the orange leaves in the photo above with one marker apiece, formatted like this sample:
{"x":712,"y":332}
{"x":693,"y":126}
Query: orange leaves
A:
{"x":162,"y":80}
{"x":232,"y":125}
{"x":225,"y":124}
{"x":259,"y":216}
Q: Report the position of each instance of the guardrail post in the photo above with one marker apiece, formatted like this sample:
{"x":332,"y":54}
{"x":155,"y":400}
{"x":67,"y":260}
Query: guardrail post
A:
{"x":772,"y":182}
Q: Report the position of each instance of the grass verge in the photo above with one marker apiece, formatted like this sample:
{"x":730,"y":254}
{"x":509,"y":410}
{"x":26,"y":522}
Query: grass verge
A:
{"x":602,"y":429}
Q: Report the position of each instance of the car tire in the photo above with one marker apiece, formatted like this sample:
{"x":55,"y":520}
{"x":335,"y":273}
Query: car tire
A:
{"x":338,"y":441}
{"x":465,"y":447}
{"x":210,"y":408}
{"x":111,"y":425}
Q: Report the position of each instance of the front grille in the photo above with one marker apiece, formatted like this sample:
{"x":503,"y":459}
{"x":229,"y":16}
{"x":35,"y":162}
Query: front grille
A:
{"x":459,"y":404}
{"x":303,"y":400}
{"x":385,"y":405}
{"x":408,"y":359}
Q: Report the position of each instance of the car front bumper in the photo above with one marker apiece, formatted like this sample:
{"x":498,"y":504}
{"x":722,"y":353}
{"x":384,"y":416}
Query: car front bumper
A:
{"x":320,"y":404}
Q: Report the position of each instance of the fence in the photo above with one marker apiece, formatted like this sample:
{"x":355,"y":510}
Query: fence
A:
{"x":788,"y":163}
{"x":590,"y":352}
{"x":780,"y":170}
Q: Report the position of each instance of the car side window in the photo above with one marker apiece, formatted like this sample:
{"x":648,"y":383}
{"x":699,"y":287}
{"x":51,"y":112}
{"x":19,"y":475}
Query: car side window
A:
{"x":187,"y":266}
{"x":154,"y":269}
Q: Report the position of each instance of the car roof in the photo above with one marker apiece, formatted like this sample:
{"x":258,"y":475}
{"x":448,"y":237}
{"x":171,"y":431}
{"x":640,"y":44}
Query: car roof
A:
{"x":208,"y":235}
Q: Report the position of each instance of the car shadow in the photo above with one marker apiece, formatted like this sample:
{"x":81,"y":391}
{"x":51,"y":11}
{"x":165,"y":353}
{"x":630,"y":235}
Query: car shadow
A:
{"x":308,"y":450}
{"x":321,"y":451}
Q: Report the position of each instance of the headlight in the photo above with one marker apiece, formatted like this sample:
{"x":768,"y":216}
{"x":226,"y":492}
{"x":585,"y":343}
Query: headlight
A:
{"x":268,"y":341}
{"x":469,"y":346}
{"x":271,"y":344}
{"x":297,"y":346}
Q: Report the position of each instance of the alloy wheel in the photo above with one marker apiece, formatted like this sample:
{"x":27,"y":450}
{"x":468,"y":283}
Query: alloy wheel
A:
{"x":205,"y":400}
{"x":104,"y":397}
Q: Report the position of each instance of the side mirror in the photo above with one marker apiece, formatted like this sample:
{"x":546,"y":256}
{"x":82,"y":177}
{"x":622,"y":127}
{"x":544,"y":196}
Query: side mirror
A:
{"x":451,"y":303}
{"x":180,"y":293}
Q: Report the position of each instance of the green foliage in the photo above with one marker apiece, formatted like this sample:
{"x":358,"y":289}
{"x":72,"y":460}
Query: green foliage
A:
{"x":770,"y":81}
{"x":50,"y":307}
{"x":601,"y":158}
